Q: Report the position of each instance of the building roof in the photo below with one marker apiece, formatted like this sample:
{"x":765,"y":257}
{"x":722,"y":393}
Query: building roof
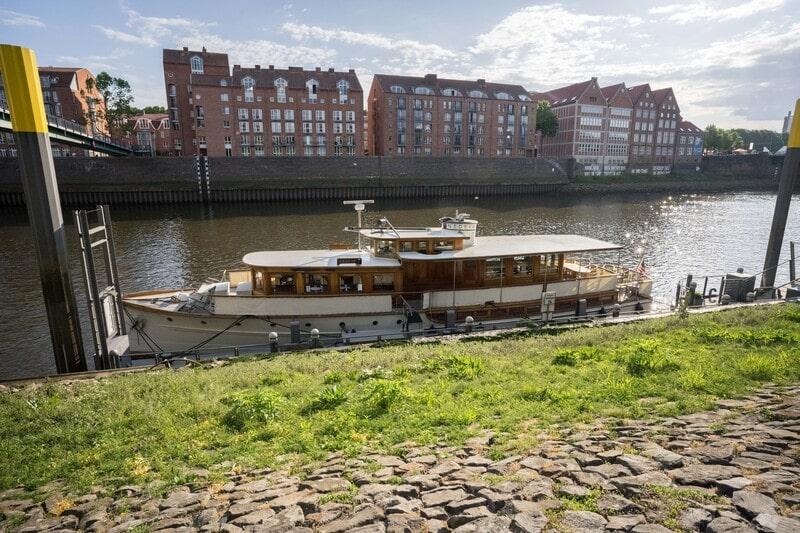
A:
{"x":438,"y":85}
{"x":688,"y":127}
{"x":660,"y":94}
{"x":296,"y":77}
{"x":182,"y":56}
{"x":566,"y":94}
{"x":155,"y":119}
{"x":611,"y":90}
{"x":637,"y":91}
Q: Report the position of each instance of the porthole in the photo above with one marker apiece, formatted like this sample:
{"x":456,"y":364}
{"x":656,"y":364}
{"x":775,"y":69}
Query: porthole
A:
{"x":374,"y":322}
{"x":169,"y":319}
{"x":308,"y":324}
{"x":203,"y":322}
{"x":399,"y":321}
{"x":341,"y":324}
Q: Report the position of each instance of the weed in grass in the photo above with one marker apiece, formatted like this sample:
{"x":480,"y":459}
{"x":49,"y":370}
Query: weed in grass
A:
{"x":256,"y":406}
{"x":140,"y":528}
{"x":274,"y":378}
{"x":373,"y":373}
{"x":532,"y":393}
{"x":328,"y":398}
{"x":381,"y":394}
{"x":647,"y":357}
{"x":345,"y":497}
{"x":582,"y":503}
{"x":464,"y":366}
{"x":334,"y":376}
{"x":572,"y":356}
{"x":758,"y":367}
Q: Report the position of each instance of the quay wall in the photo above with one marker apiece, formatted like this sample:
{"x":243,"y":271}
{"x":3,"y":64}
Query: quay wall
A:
{"x":219,"y":179}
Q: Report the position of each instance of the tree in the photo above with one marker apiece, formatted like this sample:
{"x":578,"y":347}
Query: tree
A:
{"x":771,"y":140}
{"x":722,"y":140}
{"x":546,"y":121}
{"x":154,"y":109}
{"x":118,"y":99}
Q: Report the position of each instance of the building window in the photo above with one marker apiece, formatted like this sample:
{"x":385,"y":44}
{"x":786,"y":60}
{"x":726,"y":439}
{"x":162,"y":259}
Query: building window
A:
{"x":197,"y":65}
{"x":343,"y":86}
{"x":312,"y":85}
{"x":280,"y":85}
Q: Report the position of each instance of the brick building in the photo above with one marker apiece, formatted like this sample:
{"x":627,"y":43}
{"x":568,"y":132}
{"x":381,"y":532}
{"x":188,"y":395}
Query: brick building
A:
{"x":592,"y":127}
{"x":688,"y":146}
{"x":254,"y":111}
{"x":667,"y":117}
{"x":443,"y":117}
{"x":69,"y":94}
{"x":643,"y":125}
{"x":152,"y":134}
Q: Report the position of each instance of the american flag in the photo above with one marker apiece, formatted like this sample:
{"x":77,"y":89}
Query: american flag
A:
{"x":640,"y":269}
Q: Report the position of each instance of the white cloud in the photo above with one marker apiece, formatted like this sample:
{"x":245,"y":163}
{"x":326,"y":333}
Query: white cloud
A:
{"x":15,"y":18}
{"x":259,"y":51}
{"x":718,"y":12}
{"x":143,"y":39}
{"x":415,"y":56}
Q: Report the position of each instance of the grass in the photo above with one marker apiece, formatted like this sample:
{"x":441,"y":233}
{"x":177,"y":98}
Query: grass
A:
{"x":154,"y":428}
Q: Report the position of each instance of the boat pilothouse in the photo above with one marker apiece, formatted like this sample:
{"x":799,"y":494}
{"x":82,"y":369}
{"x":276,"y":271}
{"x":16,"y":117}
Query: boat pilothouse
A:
{"x":394,"y":282}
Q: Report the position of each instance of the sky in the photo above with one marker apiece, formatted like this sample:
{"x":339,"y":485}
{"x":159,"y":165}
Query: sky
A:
{"x":733,"y":63}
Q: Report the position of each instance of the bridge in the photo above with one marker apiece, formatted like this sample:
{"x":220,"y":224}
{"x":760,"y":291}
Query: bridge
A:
{"x":73,"y":134}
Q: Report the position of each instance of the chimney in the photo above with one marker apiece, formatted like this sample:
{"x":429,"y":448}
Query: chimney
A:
{"x":185,"y":48}
{"x":258,"y":67}
{"x":430,"y":78}
{"x":318,"y":69}
{"x":330,"y":69}
{"x":481,"y":81}
{"x":594,"y":79}
{"x":237,"y":67}
{"x":352,"y":71}
{"x":272,"y":67}
{"x":204,"y":49}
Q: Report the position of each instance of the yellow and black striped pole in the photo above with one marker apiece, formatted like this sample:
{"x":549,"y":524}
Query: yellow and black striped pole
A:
{"x":29,"y":123}
{"x":788,"y":184}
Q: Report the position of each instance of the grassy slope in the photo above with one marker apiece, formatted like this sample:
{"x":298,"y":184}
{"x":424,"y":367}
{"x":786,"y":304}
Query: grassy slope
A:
{"x":155,"y":426}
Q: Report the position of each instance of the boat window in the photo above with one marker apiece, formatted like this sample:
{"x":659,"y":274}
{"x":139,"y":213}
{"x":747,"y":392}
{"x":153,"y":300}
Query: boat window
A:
{"x":283,"y":282}
{"x":383,"y":282}
{"x":445,"y":245}
{"x":494,"y":268}
{"x":407,"y":246}
{"x":548,"y":264}
{"x":316,"y":283}
{"x":383,"y":246}
{"x":422,"y":247}
{"x":259,"y":278}
{"x":350,"y":283}
{"x":523,"y":265}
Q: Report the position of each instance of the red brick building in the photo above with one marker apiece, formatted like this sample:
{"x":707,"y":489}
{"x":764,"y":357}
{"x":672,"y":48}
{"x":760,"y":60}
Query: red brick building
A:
{"x":689,"y":146}
{"x":593,"y":126}
{"x":643,"y":125}
{"x":68,"y":94}
{"x":260,"y":111}
{"x":443,"y":117}
{"x":152,"y":134}
{"x":667,"y":117}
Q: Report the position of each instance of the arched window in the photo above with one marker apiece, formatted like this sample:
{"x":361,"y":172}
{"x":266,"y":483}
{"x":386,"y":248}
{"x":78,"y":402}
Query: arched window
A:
{"x":248,"y":83}
{"x":397,"y":89}
{"x":197,"y":65}
{"x":524,"y":98}
{"x":343,"y":86}
{"x":451,"y":92}
{"x":422,"y":90}
{"x":502,"y":96}
{"x":477,"y":94}
{"x":223,"y":82}
{"x":313,"y":86}
{"x":280,"y":85}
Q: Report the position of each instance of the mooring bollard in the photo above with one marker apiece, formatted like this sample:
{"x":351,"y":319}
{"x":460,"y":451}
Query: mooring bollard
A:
{"x":236,"y":351}
{"x":273,"y":341}
{"x":468,"y":324}
{"x":725,"y":299}
{"x":616,"y":310}
{"x":315,"y":338}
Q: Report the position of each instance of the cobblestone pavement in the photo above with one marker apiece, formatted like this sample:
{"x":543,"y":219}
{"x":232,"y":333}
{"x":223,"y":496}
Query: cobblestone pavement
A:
{"x":734,"y":469}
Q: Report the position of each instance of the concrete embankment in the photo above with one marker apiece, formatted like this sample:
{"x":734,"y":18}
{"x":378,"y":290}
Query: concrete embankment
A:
{"x":670,"y":186}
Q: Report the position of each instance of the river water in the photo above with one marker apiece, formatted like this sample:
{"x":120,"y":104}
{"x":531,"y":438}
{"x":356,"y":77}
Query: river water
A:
{"x":180,"y":246}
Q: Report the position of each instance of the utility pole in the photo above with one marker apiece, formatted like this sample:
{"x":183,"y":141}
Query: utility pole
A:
{"x":789,"y":182}
{"x":29,"y":123}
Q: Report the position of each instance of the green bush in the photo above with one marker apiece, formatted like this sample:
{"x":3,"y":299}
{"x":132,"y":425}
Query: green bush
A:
{"x":334,"y":376}
{"x":249,"y":407}
{"x":536,"y":394}
{"x":647,"y":357}
{"x":758,"y":367}
{"x":381,"y":394}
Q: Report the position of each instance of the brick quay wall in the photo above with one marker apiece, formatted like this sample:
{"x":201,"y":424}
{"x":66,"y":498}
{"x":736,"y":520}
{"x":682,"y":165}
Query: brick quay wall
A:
{"x":164,"y":180}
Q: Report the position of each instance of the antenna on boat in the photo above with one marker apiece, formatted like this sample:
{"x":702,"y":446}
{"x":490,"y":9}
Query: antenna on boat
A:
{"x":359,"y":206}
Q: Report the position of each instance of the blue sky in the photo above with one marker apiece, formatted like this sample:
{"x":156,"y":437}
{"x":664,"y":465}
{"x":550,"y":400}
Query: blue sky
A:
{"x":735,"y":63}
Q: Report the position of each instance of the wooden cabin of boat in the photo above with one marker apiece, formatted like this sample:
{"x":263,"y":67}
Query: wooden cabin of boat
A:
{"x":436,"y":269}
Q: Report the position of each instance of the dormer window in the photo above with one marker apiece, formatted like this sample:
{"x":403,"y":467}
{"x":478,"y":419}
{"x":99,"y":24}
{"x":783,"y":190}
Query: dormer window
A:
{"x":197,"y":65}
{"x":451,"y":92}
{"x":502,"y":96}
{"x":343,"y":86}
{"x":397,"y":89}
{"x":477,"y":94}
{"x":223,"y":82}
{"x":423,"y":90}
{"x":247,"y":84}
{"x":313,"y":86}
{"x":280,"y":85}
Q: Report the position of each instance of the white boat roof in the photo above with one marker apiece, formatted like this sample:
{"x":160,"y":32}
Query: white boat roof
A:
{"x":486,"y":246}
{"x":508,"y":245}
{"x":411,"y":233}
{"x":316,"y":259}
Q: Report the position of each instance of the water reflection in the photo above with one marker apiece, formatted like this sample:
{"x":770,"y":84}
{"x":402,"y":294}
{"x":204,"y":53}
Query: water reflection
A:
{"x":180,"y":246}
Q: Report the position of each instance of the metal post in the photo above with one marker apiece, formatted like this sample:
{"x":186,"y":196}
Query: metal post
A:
{"x":29,"y":123}
{"x":792,"y":264}
{"x":788,"y":183}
